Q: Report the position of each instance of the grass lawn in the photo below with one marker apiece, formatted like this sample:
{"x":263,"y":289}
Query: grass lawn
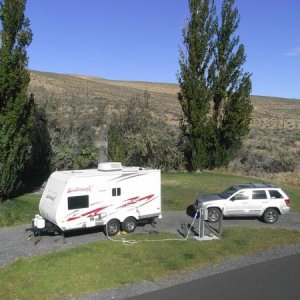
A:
{"x":294,"y":194}
{"x":102,"y":265}
{"x":181,"y":189}
{"x":19,"y":210}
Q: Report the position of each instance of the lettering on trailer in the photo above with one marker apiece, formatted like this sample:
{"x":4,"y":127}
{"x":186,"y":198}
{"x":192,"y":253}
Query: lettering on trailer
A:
{"x":80,"y":189}
{"x":51,"y":197}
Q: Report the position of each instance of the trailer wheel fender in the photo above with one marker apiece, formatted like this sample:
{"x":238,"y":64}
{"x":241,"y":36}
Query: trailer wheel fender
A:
{"x":112,"y":227}
{"x":129,"y":224}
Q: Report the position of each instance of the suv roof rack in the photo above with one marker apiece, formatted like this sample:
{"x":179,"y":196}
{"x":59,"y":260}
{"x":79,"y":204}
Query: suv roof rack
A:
{"x":265,"y":185}
{"x":255,"y":185}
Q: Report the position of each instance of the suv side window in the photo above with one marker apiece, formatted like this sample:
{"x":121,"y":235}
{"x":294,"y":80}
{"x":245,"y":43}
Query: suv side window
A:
{"x":241,"y":196}
{"x":259,"y":194}
{"x":274,"y":194}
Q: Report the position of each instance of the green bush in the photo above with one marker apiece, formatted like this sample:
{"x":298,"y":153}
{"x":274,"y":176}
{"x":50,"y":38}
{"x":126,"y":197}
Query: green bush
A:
{"x":136,"y":137}
{"x":252,"y":162}
{"x":72,"y":141}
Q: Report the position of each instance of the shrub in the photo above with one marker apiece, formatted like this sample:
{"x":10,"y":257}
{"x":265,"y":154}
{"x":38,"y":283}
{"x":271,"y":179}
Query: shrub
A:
{"x":136,"y":137}
{"x":72,"y":141}
{"x":252,"y":162}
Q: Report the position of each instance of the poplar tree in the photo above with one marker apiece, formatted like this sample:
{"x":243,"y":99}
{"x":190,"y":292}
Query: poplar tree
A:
{"x":214,"y":89}
{"x":231,"y":87}
{"x":16,"y":106}
{"x":195,"y":94}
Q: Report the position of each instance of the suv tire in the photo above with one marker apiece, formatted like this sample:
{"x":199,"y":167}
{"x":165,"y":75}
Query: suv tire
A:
{"x":214,"y":214}
{"x":270,"y":215}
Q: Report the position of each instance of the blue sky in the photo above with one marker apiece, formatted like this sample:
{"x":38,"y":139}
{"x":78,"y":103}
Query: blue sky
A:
{"x":139,"y":40}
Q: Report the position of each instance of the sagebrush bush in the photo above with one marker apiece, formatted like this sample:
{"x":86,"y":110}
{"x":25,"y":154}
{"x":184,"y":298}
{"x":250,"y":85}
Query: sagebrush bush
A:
{"x":137,"y":137}
{"x":72,"y":141}
{"x":255,"y":163}
{"x":267,"y":151}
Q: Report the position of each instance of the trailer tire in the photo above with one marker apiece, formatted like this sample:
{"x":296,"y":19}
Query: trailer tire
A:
{"x":129,"y":225}
{"x":112,"y":227}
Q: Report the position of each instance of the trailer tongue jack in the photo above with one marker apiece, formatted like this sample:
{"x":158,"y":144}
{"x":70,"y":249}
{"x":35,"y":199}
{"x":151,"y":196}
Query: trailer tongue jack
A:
{"x":41,"y":227}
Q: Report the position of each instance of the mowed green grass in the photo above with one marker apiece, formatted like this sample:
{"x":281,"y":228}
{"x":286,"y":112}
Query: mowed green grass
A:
{"x":294,"y":195}
{"x":106,"y":264}
{"x":181,"y":189}
{"x":19,"y":210}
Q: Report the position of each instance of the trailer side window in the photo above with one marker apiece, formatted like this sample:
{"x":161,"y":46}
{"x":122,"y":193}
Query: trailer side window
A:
{"x":116,"y":192}
{"x":78,"y":202}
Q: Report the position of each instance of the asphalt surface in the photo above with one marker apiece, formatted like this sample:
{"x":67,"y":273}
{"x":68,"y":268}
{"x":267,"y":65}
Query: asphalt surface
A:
{"x":276,"y":279}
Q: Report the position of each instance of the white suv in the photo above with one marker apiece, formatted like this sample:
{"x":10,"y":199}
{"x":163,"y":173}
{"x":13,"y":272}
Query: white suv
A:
{"x":263,"y":200}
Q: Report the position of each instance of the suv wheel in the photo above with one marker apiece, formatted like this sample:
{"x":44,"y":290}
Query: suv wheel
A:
{"x":214,"y":214}
{"x":270,"y":215}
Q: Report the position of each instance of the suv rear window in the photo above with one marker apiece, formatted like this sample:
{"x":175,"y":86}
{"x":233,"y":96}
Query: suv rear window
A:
{"x":274,"y":194}
{"x":259,"y":194}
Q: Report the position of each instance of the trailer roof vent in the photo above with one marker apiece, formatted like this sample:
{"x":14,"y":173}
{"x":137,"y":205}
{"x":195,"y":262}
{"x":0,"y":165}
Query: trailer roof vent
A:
{"x":110,"y":166}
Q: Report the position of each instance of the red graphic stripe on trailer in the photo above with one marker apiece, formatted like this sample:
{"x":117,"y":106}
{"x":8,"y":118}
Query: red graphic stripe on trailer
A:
{"x":147,"y":197}
{"x":135,"y":200}
{"x":131,"y":200}
{"x":89,"y":214}
{"x":73,"y":218}
{"x":149,"y":200}
{"x":94,"y":212}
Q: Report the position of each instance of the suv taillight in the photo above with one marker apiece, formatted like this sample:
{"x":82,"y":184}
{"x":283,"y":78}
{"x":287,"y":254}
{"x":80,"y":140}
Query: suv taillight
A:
{"x":287,"y":202}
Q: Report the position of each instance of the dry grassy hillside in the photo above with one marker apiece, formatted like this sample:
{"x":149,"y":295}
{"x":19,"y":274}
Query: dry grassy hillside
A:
{"x":275,"y":132}
{"x":89,"y":92}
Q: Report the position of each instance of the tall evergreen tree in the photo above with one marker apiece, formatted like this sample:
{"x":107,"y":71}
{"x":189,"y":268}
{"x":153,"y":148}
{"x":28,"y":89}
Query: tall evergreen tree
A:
{"x":231,"y":87}
{"x":195,"y":95}
{"x":16,"y":107}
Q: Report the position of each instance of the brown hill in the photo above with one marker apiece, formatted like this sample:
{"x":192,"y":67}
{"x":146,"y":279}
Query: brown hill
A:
{"x":78,"y":89}
{"x":275,"y":123}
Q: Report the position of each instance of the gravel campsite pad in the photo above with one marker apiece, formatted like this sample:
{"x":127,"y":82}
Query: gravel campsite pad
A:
{"x":15,"y":241}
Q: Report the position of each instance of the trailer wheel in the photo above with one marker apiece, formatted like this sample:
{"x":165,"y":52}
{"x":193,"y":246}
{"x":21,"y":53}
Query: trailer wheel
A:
{"x":112,"y":227}
{"x":129,"y":225}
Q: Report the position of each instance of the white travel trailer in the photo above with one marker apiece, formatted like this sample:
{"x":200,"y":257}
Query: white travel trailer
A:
{"x":113,"y":196}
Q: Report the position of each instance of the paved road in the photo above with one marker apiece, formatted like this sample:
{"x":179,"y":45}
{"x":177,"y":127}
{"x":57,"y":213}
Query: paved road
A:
{"x":276,"y":279}
{"x":14,"y":241}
